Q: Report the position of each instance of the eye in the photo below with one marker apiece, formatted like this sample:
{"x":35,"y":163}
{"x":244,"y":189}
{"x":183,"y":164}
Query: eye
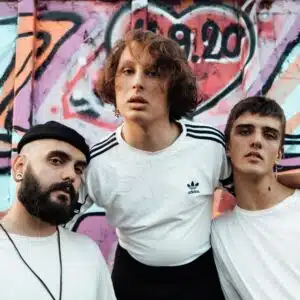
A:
{"x":56,"y":161}
{"x":152,"y":73}
{"x":270,"y":136}
{"x":127,"y":71}
{"x":79,"y":171}
{"x":243,"y":132}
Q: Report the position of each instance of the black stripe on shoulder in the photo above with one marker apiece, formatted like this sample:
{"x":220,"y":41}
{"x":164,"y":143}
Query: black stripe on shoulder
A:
{"x":103,"y":143}
{"x":227,"y":181}
{"x":199,"y":128}
{"x":206,"y":132}
{"x":205,"y":137}
{"x":112,"y":144}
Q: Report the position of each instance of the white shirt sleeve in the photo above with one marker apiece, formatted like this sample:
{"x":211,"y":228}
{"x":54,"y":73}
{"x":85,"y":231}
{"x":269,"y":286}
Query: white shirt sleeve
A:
{"x":105,"y":287}
{"x":226,"y":176}
{"x":92,"y":183}
{"x":228,"y":288}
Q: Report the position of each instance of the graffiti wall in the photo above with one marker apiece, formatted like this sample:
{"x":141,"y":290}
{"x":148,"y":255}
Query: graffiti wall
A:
{"x":51,"y":52}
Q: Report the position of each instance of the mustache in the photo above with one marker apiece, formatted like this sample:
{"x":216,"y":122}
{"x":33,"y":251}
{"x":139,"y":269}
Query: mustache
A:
{"x":66,"y":187}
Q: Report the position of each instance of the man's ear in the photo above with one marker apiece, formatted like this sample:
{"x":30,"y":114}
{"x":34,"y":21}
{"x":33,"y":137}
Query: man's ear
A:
{"x":279,"y":156}
{"x":18,"y":167}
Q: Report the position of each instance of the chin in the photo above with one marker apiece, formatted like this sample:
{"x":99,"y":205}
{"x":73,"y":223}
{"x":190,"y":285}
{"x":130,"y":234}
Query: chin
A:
{"x":137,"y":117}
{"x":253,"y":172}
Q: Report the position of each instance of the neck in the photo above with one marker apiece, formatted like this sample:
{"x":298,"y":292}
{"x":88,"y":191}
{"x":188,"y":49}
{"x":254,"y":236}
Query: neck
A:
{"x":152,"y":137}
{"x":19,"y":221}
{"x":257,"y":193}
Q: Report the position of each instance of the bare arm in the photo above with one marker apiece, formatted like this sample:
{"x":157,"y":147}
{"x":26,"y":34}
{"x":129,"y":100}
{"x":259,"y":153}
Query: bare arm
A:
{"x":290,"y":178}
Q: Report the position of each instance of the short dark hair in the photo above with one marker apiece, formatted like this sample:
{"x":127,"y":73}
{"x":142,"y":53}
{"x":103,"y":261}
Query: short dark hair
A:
{"x":169,"y":60}
{"x":259,"y":105}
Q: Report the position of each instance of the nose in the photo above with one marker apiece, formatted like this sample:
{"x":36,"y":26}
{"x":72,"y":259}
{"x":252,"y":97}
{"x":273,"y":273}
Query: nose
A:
{"x":69,"y":174}
{"x":138,"y":80}
{"x":256,"y":142}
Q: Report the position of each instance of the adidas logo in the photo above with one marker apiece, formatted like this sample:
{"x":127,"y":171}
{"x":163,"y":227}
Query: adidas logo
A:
{"x":193,"y":187}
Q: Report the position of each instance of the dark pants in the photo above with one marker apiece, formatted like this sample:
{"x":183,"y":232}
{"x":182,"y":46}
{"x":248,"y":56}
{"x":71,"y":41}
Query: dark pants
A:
{"x":133,"y":280}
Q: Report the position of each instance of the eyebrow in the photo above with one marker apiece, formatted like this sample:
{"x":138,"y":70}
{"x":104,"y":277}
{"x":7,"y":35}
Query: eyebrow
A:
{"x":67,"y":157}
{"x":248,"y":126}
{"x":272,"y":129}
{"x":126,"y":62}
{"x":130,"y":62}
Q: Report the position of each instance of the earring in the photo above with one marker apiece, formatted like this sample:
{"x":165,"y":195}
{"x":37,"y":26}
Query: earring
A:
{"x":117,"y":114}
{"x":19,"y":177}
{"x":279,"y":157}
{"x":275,"y":171}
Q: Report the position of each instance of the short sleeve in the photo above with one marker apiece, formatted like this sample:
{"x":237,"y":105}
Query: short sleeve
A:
{"x":228,"y":288}
{"x":105,"y":287}
{"x":91,"y":187}
{"x":226,"y":176}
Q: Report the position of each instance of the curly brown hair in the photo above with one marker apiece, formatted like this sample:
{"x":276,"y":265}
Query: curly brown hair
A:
{"x":169,"y":61}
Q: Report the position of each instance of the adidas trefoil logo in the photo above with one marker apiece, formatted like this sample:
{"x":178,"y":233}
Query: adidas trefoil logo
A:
{"x":193,"y":187}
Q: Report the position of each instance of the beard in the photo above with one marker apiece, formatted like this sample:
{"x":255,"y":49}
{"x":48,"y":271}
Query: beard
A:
{"x":38,"y":202}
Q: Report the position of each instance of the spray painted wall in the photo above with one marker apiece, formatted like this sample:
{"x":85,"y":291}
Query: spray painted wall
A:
{"x":51,"y":52}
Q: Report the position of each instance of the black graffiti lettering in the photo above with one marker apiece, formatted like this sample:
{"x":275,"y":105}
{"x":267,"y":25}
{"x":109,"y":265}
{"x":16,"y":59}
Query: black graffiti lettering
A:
{"x":139,"y":24}
{"x":210,"y":34}
{"x":232,"y":30}
{"x":195,"y":58}
{"x":84,"y":107}
{"x":216,"y":43}
{"x":182,"y":35}
{"x":151,"y":25}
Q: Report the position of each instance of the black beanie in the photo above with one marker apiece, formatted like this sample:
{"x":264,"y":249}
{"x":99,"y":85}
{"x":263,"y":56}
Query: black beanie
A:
{"x":57,"y":131}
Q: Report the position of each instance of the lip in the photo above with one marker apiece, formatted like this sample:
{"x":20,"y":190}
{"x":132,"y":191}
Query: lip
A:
{"x":64,"y":193}
{"x":137,"y":100}
{"x":254,"y":154}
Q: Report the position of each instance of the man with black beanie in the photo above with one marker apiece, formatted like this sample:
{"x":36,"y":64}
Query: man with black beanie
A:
{"x":41,"y":259}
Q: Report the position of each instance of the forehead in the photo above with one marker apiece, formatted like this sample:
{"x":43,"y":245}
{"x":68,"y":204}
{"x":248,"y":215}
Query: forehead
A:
{"x":46,"y":146}
{"x":257,"y":121}
{"x":136,"y":53}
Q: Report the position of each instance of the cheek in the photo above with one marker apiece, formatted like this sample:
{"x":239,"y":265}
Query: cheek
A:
{"x":235,"y":155}
{"x":118,"y":93}
{"x":161,"y":87}
{"x":120,"y":89}
{"x":161,"y":93}
{"x":51,"y":178}
{"x":77,"y":183}
{"x":118,"y":85}
{"x":236,"y":148}
{"x":273,"y":151}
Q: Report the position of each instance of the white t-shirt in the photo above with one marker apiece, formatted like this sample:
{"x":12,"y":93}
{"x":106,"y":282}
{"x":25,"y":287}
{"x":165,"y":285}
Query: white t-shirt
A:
{"x":85,"y":274}
{"x":160,"y":202}
{"x":257,"y":253}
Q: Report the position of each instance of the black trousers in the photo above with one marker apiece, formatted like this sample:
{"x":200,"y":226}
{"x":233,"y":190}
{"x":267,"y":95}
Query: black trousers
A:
{"x":133,"y":280}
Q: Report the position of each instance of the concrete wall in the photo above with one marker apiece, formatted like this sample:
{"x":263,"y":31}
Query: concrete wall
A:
{"x":51,"y":52}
